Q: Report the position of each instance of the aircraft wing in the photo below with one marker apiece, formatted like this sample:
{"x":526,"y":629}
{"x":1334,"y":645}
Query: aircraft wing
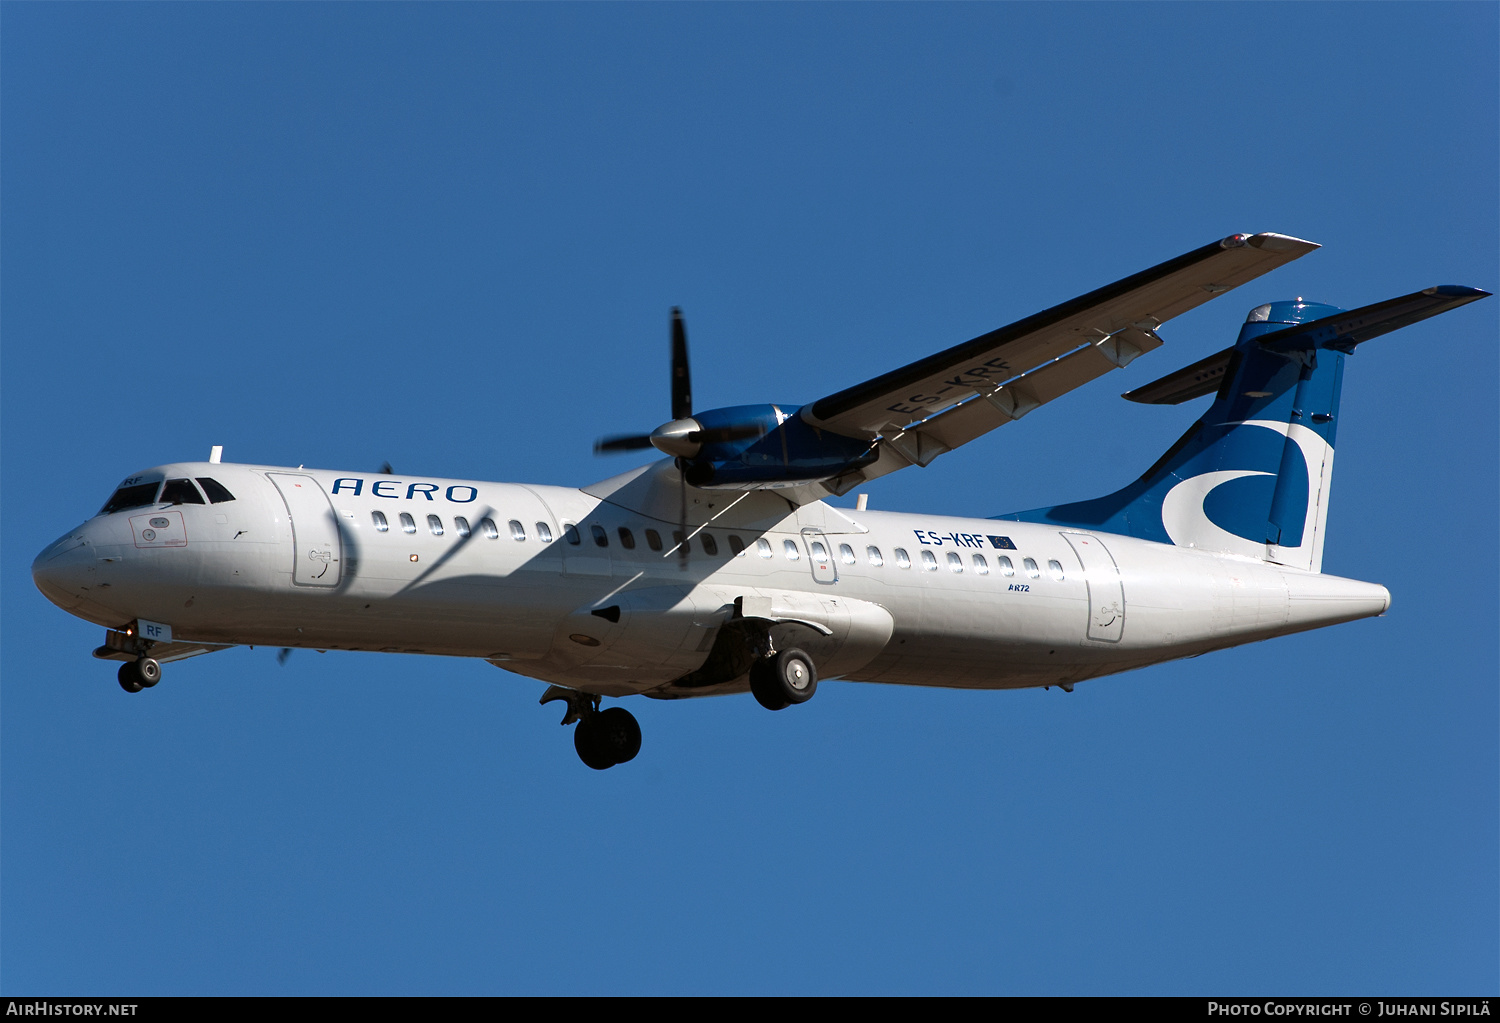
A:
{"x":944,"y":400}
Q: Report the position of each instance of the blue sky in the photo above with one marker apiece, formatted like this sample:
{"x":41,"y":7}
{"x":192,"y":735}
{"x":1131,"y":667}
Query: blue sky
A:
{"x":449,"y":236}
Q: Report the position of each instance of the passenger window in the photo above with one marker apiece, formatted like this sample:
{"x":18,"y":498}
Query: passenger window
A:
{"x":487,"y":527}
{"x":736,"y":546}
{"x":408,"y":524}
{"x":517,"y":531}
{"x":677,"y":537}
{"x":215,"y":490}
{"x":131,"y":497}
{"x":180,"y":492}
{"x":955,"y":562}
{"x":570,"y":534}
{"x":1055,"y":568}
{"x":601,"y":538}
{"x":789,"y":547}
{"x":763,"y":547}
{"x":544,"y":532}
{"x":627,"y":539}
{"x":381,"y":525}
{"x":903,"y":560}
{"x":710,"y":545}
{"x":929,"y":561}
{"x":461,"y":525}
{"x":653,"y":539}
{"x":1006,"y":568}
{"x":1032,"y":572}
{"x":980,"y":565}
{"x":819,"y":553}
{"x":846,"y":554}
{"x":435,"y":524}
{"x":876,"y":558}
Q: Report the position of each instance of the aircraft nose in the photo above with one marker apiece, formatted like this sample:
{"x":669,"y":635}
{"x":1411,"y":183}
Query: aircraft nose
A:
{"x":61,"y":570}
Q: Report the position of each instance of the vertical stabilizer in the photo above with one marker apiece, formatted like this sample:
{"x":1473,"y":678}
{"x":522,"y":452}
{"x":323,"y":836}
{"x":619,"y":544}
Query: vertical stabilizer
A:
{"x":1252,"y":476}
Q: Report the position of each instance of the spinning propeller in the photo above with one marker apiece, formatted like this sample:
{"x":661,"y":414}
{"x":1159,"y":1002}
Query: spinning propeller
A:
{"x":684,"y":437}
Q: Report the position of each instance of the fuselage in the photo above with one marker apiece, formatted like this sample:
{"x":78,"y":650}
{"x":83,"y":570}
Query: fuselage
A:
{"x":593,"y":592}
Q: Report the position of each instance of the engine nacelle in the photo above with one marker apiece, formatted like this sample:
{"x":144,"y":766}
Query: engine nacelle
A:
{"x":781,"y":449}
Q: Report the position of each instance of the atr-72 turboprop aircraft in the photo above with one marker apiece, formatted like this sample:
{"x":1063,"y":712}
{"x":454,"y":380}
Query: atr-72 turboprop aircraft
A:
{"x":721,"y":569}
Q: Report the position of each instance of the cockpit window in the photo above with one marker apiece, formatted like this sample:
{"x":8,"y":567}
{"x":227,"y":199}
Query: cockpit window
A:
{"x":131,"y":497}
{"x":215,"y":490}
{"x":180,"y":492}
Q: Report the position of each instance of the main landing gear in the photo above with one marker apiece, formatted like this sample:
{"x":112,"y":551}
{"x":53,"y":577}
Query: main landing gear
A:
{"x":139,"y":674}
{"x":603,"y":738}
{"x":784,"y":678}
{"x":608,"y":737}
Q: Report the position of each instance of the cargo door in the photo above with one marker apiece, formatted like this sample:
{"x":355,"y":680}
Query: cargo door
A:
{"x":1106,"y":591}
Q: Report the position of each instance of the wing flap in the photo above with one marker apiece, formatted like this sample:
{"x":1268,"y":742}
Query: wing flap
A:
{"x":919,"y":443}
{"x":984,"y":412}
{"x":1138,"y":303}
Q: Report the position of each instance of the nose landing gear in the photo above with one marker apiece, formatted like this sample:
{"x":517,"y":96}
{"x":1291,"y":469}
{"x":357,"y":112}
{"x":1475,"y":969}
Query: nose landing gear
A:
{"x":139,"y":674}
{"x":603,"y":738}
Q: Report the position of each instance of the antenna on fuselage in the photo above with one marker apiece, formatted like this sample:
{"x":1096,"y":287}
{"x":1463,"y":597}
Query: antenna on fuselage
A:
{"x":216,"y":454}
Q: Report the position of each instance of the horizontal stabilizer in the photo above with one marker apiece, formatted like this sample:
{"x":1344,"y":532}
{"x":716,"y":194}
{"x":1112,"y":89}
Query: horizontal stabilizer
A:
{"x":1202,"y":377}
{"x":1343,"y":331}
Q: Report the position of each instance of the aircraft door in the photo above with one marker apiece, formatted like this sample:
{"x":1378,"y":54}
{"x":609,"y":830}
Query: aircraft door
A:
{"x":1106,"y":591}
{"x":315,"y":531}
{"x":820,"y":556}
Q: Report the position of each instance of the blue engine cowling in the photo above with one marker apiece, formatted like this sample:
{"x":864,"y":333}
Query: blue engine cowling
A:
{"x":788,"y":452}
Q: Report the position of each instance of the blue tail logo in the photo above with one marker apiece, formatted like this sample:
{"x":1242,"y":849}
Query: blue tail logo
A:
{"x":1289,"y":535}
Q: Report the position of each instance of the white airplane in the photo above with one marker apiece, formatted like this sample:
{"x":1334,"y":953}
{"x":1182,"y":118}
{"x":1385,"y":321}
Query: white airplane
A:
{"x":721,"y":569}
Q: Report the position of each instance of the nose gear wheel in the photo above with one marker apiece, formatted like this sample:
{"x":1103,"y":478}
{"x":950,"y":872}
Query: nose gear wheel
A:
{"x":139,"y":674}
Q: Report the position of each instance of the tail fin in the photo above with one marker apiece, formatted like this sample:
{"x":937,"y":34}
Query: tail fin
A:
{"x":1252,"y":475}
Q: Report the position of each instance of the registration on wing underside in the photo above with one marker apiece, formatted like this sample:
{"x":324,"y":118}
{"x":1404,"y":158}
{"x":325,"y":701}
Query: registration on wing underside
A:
{"x":1088,"y":336}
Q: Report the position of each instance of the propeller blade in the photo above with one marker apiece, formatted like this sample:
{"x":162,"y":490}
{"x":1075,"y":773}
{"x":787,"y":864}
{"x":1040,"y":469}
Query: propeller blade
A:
{"x":682,"y":532}
{"x":622,"y":442}
{"x":682,"y":381}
